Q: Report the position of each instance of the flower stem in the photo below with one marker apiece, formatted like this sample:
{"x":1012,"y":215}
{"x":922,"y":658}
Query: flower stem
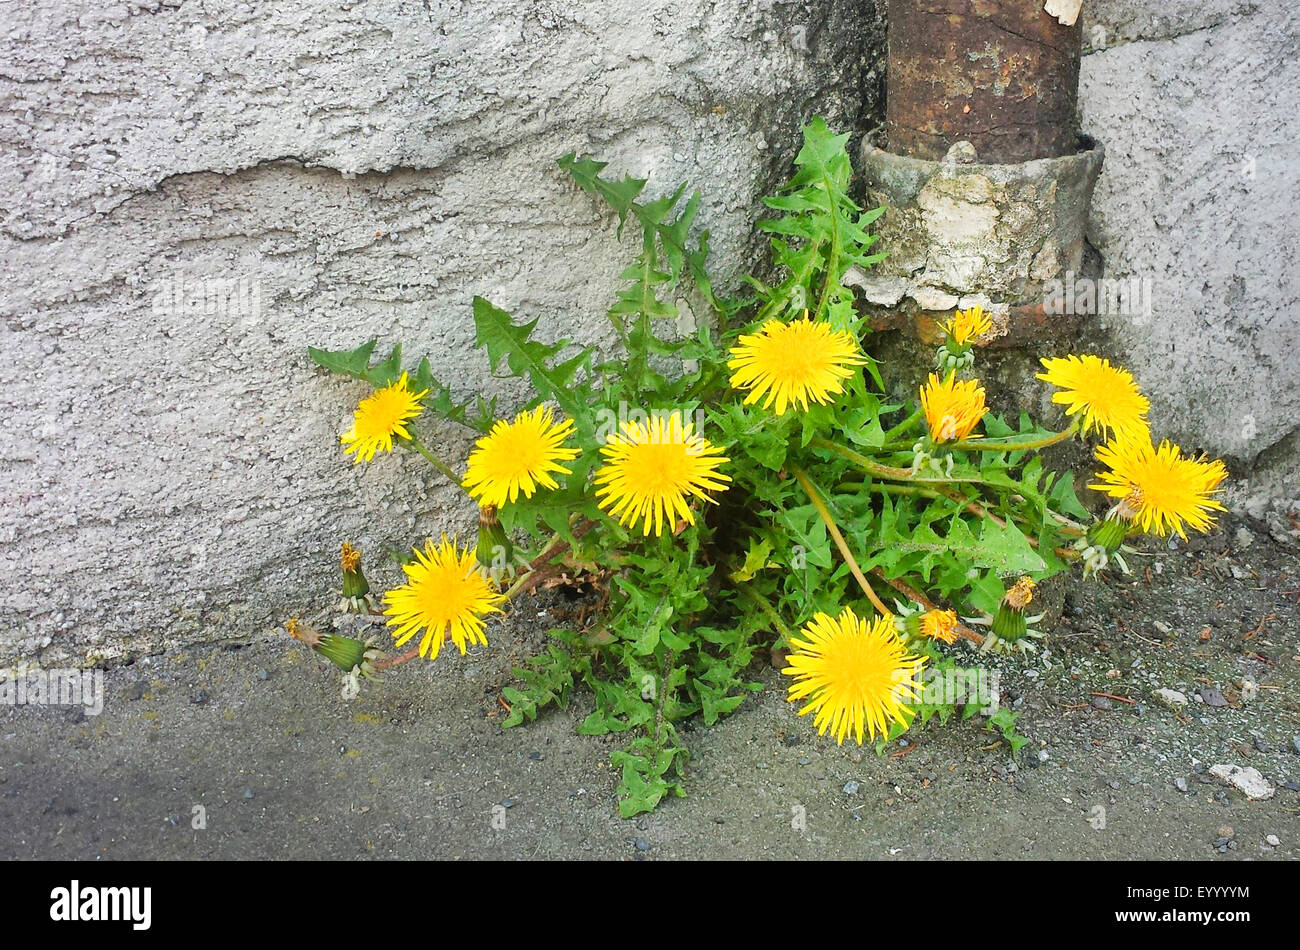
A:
{"x":904,"y":426}
{"x":815,"y":497}
{"x":766,"y":608}
{"x":890,"y":472}
{"x":1012,"y":445}
{"x":436,"y":462}
{"x":388,"y":662}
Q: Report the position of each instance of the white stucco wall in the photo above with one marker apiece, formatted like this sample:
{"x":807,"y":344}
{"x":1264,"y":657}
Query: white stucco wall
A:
{"x":357,"y":169}
{"x":170,"y":466}
{"x":1198,"y":103}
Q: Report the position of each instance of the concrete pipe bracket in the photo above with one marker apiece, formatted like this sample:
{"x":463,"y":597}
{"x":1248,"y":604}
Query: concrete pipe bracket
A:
{"x":959,"y":233}
{"x":984,"y":177}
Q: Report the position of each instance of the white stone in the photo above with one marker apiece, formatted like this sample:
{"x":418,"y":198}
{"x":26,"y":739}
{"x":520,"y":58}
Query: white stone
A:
{"x":1247,"y":779}
{"x":930,"y":298}
{"x":1171,"y":698}
{"x":881,"y":291}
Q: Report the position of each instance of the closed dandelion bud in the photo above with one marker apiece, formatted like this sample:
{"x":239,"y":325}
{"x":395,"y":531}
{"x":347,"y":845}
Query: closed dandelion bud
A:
{"x":956,"y":359}
{"x":354,"y":581}
{"x":960,"y":332}
{"x":940,"y":625}
{"x":344,"y":652}
{"x":919,"y":623}
{"x":908,"y":624}
{"x":1109,"y":533}
{"x":1009,"y":621}
{"x":494,"y":549}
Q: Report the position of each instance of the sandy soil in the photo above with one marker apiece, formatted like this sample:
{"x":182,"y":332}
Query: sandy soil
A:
{"x":258,"y":737}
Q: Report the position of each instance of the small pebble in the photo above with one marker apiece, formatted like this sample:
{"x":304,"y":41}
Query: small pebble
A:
{"x":1225,"y":831}
{"x":200,"y":698}
{"x":1042,"y":755}
{"x":1273,"y":840}
{"x":1295,"y":745}
{"x":642,"y":844}
{"x":248,"y":793}
{"x":1101,"y":702}
{"x":1180,"y":783}
{"x":536,"y":756}
{"x":851,"y":788}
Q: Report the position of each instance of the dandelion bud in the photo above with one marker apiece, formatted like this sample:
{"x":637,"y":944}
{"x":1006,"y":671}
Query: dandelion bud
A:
{"x":494,"y":550}
{"x":1009,"y":621}
{"x":1108,"y":533}
{"x":354,"y":581}
{"x":343,"y":652}
{"x":918,"y":623}
{"x":303,"y":633}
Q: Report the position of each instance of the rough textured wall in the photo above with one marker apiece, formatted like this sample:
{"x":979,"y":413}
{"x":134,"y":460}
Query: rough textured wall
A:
{"x":1198,"y":103}
{"x":193,"y":191}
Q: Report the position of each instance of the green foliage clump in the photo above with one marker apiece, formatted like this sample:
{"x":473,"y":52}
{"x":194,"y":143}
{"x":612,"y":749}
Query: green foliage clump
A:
{"x":842,"y":504}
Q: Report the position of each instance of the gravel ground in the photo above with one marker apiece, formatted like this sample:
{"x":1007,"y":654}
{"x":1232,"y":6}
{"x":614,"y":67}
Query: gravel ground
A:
{"x":258,"y":737}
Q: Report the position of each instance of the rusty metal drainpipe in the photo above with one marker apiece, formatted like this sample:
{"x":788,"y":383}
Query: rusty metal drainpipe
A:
{"x":985,"y":180}
{"x":1000,"y":74}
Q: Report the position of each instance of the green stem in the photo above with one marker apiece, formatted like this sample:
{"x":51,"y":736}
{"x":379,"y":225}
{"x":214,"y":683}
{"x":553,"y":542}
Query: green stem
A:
{"x":766,"y":609}
{"x":1012,"y":445}
{"x":888,"y":471}
{"x":433,"y":459}
{"x":904,"y":426}
{"x":889,"y":488}
{"x":815,"y":497}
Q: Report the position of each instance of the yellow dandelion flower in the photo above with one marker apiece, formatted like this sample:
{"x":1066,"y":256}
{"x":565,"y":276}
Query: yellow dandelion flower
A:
{"x":855,"y":675}
{"x":967,"y":326}
{"x":952,"y":409}
{"x":652,"y":468}
{"x":1158,"y":488}
{"x":380,"y":416}
{"x":940,"y":625}
{"x":517,"y":457}
{"x":793,"y":363}
{"x":1108,"y":396}
{"x":444,"y":593}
